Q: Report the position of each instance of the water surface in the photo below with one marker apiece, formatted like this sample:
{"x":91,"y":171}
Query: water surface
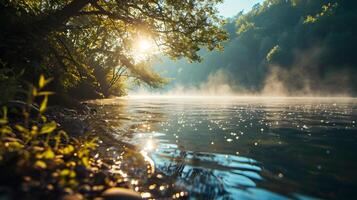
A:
{"x":242,"y":148}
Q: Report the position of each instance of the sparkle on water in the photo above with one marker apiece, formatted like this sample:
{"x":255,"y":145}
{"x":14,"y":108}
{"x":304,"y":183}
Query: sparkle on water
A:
{"x":237,"y":147}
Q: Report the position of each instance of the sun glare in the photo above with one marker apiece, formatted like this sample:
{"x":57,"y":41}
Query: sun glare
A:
{"x":144,"y":45}
{"x":143,"y":49}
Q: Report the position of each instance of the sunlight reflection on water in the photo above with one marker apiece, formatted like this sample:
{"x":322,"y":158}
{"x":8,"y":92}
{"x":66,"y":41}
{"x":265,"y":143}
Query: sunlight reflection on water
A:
{"x":243,"y":148}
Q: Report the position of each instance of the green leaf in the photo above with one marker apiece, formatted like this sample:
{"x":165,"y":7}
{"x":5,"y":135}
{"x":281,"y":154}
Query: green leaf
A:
{"x":67,"y":150}
{"x":67,"y":172}
{"x":14,"y":145}
{"x":43,"y":118}
{"x":5,"y":130}
{"x":40,"y":164}
{"x":3,"y":121}
{"x":45,"y":93}
{"x":85,"y":162}
{"x":4,"y":113}
{"x":72,"y":174}
{"x":42,"y":81}
{"x":48,"y":154}
{"x":34,"y":91}
{"x":21,"y":128}
{"x":48,"y":128}
{"x":44,"y":104}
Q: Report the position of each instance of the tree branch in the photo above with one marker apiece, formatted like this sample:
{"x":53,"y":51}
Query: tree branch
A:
{"x":60,"y":17}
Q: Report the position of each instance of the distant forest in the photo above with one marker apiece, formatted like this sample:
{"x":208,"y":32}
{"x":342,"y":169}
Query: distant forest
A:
{"x":290,"y":47}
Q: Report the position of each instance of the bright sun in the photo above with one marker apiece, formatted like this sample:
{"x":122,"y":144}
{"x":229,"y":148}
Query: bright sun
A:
{"x":143,"y":49}
{"x":144,"y":45}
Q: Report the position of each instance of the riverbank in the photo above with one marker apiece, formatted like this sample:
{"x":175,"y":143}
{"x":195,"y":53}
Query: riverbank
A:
{"x":71,"y":159}
{"x":56,"y":157}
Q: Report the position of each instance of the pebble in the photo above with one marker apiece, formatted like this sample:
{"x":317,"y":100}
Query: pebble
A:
{"x":120,"y":194}
{"x":75,"y":196}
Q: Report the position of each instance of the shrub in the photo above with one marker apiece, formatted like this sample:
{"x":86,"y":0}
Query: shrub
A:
{"x":38,"y":160}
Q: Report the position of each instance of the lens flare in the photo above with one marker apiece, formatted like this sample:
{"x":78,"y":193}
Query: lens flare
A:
{"x":144,"y":45}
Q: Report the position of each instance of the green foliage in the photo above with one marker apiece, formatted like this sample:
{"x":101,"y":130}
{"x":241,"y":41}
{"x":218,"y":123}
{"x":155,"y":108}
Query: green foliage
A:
{"x":39,"y":160}
{"x":244,"y":26}
{"x":276,"y":34}
{"x":272,"y":53}
{"x":326,"y":10}
{"x":85,"y":42}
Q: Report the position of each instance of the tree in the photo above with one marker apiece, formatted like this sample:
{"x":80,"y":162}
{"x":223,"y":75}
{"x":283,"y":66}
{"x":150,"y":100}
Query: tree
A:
{"x":89,"y":43}
{"x":306,"y":46}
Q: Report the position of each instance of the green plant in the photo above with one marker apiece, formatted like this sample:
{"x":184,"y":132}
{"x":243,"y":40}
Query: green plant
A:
{"x":36,"y":156}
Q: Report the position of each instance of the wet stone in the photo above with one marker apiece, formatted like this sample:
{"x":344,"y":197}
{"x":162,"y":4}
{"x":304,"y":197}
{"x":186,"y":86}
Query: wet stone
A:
{"x":85,"y":188}
{"x":75,"y":196}
{"x":120,"y":194}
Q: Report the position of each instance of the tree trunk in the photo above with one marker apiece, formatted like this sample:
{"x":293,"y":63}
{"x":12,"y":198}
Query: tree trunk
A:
{"x":60,"y":17}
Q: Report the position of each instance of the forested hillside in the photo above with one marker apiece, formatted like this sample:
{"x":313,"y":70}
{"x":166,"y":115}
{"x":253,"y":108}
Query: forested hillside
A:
{"x":289,"y":47}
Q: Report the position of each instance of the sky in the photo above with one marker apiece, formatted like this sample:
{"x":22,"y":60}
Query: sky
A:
{"x":231,"y":7}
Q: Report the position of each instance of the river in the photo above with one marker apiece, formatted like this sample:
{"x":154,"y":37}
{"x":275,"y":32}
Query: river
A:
{"x":240,"y":147}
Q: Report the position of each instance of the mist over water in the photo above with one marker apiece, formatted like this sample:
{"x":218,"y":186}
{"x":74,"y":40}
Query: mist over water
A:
{"x":279,"y":48}
{"x":302,"y":78}
{"x":278,"y":83}
{"x":216,"y":84}
{"x":271,"y":117}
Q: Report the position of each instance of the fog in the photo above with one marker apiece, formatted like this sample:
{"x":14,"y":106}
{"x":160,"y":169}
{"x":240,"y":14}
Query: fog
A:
{"x":274,"y":50}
